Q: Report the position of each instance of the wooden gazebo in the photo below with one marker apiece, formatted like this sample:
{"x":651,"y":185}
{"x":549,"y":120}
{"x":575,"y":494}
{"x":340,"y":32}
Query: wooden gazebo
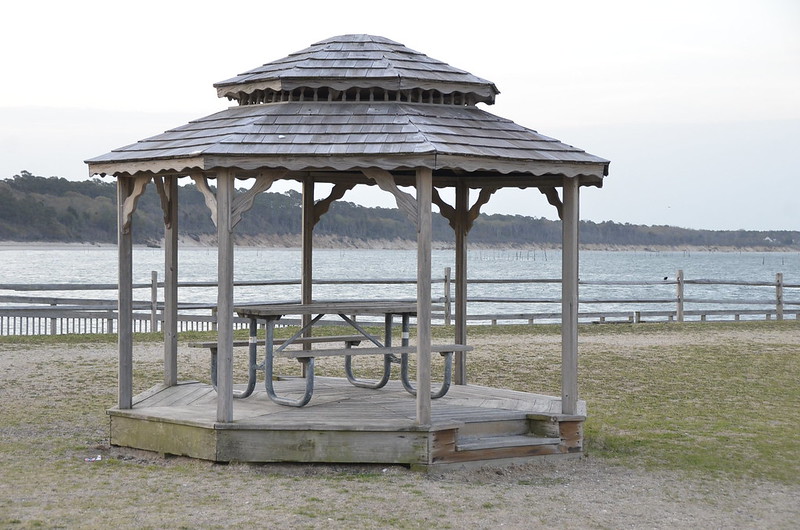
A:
{"x":349,"y":110}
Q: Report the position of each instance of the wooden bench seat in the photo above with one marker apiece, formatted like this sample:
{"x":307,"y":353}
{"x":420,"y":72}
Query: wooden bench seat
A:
{"x":396,"y":350}
{"x":351,"y":339}
{"x":306,"y":356}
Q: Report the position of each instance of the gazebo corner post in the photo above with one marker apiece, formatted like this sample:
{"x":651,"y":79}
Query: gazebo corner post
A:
{"x":171,"y":283}
{"x":125,"y":296}
{"x":569,"y":296}
{"x":129,"y":190}
{"x":225,"y":192}
{"x":307,"y":245}
{"x":461,"y":229}
{"x":424,"y":185}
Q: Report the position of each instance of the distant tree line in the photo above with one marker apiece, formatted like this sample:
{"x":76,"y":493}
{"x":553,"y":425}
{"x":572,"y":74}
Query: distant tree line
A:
{"x":34,"y":208}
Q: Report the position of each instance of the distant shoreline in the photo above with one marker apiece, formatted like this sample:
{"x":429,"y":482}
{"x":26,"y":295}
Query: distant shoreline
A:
{"x":322,"y":243}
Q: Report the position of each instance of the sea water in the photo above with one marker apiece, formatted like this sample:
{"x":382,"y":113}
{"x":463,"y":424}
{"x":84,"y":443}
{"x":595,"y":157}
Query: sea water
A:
{"x":98,"y":265}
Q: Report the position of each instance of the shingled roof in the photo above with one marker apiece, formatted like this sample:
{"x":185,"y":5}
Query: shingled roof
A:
{"x":357,"y":61}
{"x":352,"y":102}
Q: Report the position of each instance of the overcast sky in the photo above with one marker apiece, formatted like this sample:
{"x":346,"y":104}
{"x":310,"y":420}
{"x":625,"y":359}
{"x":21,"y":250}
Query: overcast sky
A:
{"x":696,"y":103}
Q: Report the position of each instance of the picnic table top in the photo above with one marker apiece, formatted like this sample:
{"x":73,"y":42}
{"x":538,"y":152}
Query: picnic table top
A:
{"x":351,"y":307}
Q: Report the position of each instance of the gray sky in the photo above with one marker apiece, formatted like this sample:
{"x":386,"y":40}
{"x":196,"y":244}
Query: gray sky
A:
{"x":696,"y":103}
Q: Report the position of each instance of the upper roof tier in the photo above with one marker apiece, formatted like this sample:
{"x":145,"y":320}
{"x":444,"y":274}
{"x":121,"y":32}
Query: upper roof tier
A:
{"x":357,"y":68}
{"x":355,"y":102}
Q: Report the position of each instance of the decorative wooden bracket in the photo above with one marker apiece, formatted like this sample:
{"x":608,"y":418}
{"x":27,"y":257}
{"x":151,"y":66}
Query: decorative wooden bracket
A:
{"x":449,"y":213}
{"x":385,"y":181}
{"x":211,"y":200}
{"x":128,"y":205}
{"x":322,"y":207}
{"x":552,"y":197}
{"x":166,"y":200}
{"x":483,"y":197}
{"x":242,"y":202}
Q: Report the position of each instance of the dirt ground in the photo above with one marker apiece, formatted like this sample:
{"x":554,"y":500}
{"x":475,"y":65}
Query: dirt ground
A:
{"x":53,"y":408}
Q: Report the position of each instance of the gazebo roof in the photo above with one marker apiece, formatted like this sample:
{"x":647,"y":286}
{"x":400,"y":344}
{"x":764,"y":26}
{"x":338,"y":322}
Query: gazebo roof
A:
{"x":353,"y":102}
{"x":357,"y":61}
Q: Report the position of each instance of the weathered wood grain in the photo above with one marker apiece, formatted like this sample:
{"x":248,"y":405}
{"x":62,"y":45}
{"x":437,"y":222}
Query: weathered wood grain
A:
{"x":125,"y":189}
{"x":396,"y":350}
{"x":164,"y":437}
{"x":169,"y":196}
{"x":348,"y":424}
{"x":569,"y":297}
{"x":224,"y":207}
{"x":424,"y":187}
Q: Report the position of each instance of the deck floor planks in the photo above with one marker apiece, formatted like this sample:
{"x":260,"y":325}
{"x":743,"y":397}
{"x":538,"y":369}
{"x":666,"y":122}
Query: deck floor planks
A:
{"x":166,"y":396}
{"x":335,"y":400}
{"x":361,"y":416}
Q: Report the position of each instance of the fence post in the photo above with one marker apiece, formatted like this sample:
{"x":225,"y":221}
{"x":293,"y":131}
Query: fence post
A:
{"x":779,"y":296}
{"x":679,"y":287}
{"x":447,"y":299}
{"x":153,"y":301}
{"x":53,"y":324}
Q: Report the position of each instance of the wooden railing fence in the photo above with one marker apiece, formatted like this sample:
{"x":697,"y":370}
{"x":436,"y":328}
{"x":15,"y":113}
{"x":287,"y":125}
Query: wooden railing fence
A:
{"x":38,"y":315}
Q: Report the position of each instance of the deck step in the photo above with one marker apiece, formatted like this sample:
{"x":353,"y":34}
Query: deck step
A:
{"x":510,"y":424}
{"x":474,"y":443}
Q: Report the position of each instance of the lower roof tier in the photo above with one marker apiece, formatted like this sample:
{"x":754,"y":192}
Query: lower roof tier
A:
{"x":342,"y":136}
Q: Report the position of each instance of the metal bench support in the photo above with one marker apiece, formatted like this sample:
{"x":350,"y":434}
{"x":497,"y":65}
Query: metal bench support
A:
{"x":387,"y":362}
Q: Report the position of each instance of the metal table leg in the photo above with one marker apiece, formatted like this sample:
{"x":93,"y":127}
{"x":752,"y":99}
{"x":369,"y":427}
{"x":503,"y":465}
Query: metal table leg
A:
{"x":387,"y":362}
{"x":251,"y":366}
{"x":448,"y":368}
{"x":308,"y":365}
{"x":252,"y":351}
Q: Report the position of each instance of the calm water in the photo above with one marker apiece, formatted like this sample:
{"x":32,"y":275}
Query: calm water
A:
{"x":99,"y":265}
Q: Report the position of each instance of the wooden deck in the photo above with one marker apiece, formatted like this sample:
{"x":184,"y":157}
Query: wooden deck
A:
{"x":346,"y":424}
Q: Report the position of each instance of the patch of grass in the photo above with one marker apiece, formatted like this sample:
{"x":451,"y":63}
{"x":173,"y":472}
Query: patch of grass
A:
{"x":730,"y":409}
{"x":714,"y":400}
{"x":705,"y":398}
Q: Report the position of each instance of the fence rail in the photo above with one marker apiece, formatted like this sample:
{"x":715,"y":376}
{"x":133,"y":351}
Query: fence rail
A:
{"x":39,"y":315}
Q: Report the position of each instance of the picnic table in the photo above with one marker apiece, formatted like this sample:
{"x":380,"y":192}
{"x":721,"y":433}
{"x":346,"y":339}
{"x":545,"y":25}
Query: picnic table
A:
{"x":346,"y":311}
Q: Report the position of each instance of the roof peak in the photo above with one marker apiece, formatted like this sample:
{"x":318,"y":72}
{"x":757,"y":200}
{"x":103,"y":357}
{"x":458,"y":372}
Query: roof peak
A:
{"x":344,"y":63}
{"x":358,"y":37}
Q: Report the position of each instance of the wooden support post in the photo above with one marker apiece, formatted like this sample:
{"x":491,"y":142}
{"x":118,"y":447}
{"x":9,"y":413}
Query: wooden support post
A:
{"x":171,"y":284}
{"x":125,"y":296}
{"x":680,"y":295}
{"x":129,"y":190}
{"x":569,"y":297}
{"x":307,"y":244}
{"x":225,"y":192}
{"x":448,"y":299}
{"x":461,"y":229}
{"x":307,"y":249}
{"x":424,"y":235}
{"x":779,"y":296}
{"x":153,"y":301}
